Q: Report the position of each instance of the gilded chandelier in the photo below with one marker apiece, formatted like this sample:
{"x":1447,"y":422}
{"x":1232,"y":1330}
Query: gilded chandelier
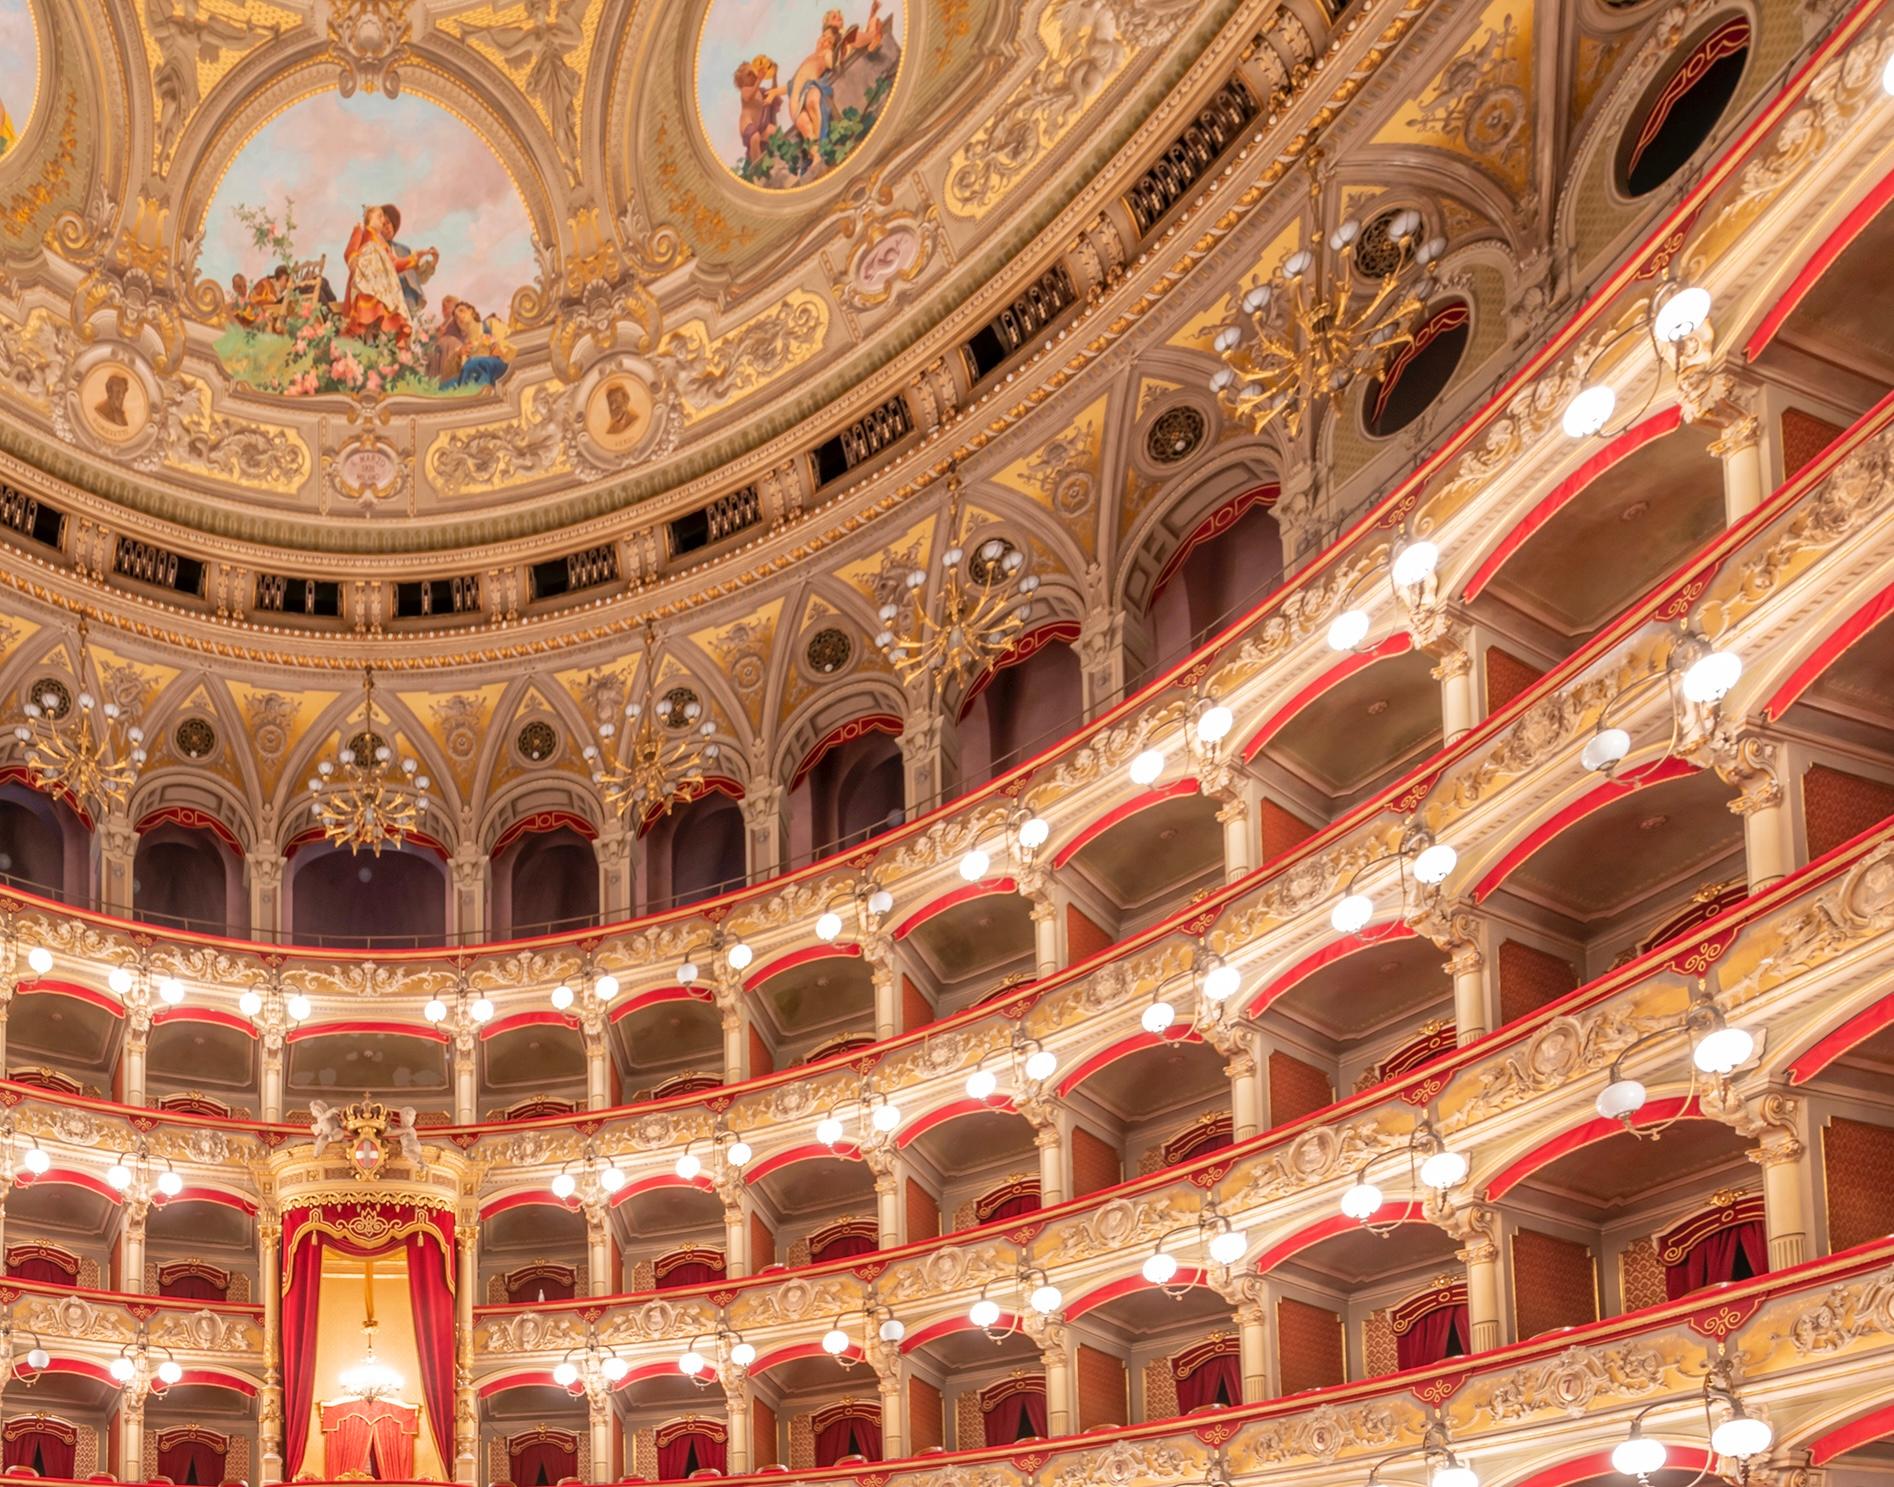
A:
{"x":660,"y":754}
{"x":93,"y":755}
{"x":1311,"y":334}
{"x":360,"y":799}
{"x":974,"y":620}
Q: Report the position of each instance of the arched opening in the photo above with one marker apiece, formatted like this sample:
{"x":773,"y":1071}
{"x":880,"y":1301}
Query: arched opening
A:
{"x":61,"y":1231}
{"x":191,"y":1056}
{"x":1680,"y":110}
{"x":968,"y":1390}
{"x":71,"y":1038}
{"x":1138,"y":864}
{"x":338,"y":1063}
{"x":1147,"y":1104}
{"x":854,"y":790}
{"x":812,"y":1206}
{"x":799,"y":1010}
{"x":200,"y":1250}
{"x":1225,"y":566}
{"x":547,"y":1237}
{"x":534,"y":1062}
{"x":202,"y":1435}
{"x":956,"y":1163}
{"x":673,"y":1235}
{"x":398,"y":898}
{"x":970,"y":944}
{"x":659,"y":1039}
{"x":1031,"y":700}
{"x":190,"y":878}
{"x":537,"y":1435}
{"x":695,"y":852}
{"x":44,"y":847}
{"x":545,"y":881}
{"x":1419,"y":373}
{"x":1147,"y":1330}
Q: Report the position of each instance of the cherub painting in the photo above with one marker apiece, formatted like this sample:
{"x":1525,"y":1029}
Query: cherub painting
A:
{"x":789,"y":126}
{"x":19,"y":71}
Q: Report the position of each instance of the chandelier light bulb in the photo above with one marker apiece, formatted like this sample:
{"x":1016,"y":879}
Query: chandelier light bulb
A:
{"x":1722,"y":1050}
{"x":1741,"y":1436}
{"x":562,"y":997}
{"x":1222,"y":981}
{"x":740,"y":956}
{"x":564,"y":1185}
{"x":1033,"y":832}
{"x":981,"y":1083}
{"x":691,"y":1364}
{"x":120,"y":980}
{"x":892,"y":1329}
{"x":38,"y":1358}
{"x":118,"y":1176}
{"x":121,"y":1369}
{"x":169,"y":1372}
{"x":834,"y":1341}
{"x":1046,"y":1299}
{"x":1454,"y":1474}
{"x":1443,"y":1169}
{"x":36,"y":1161}
{"x":435,"y":1010}
{"x":1618,"y":1099}
{"x":1041,"y":1064}
{"x":611,"y":1179}
{"x":1710,"y":677}
{"x":1348,"y":629}
{"x":1147,"y":766}
{"x":1434,"y":864}
{"x":828,"y":926}
{"x":1681,"y":314}
{"x":742,"y":1354}
{"x":250,"y":1004}
{"x":565,"y":1373}
{"x":299,"y":1008}
{"x":1415,"y":563}
{"x":1215,"y":724}
{"x":605,"y":988}
{"x":688,"y":1166}
{"x":984,"y":1312}
{"x":885,"y":1119}
{"x":828,"y":1130}
{"x":170,"y":1184}
{"x":1227,"y":1248}
{"x":880,"y":901}
{"x":1361,"y":1202}
{"x":1159,"y":1268}
{"x":1605,"y":748}
{"x":737,"y":1153}
{"x":481,"y":1010}
{"x":1589,"y":411}
{"x":973,"y":865}
{"x":39,"y":960}
{"x":687,"y":973}
{"x":170,"y":990}
{"x":614,"y":1368}
{"x":1351,"y":913}
{"x":1228,"y":337}
{"x":1638,"y":1455}
{"x":1158,"y":1017}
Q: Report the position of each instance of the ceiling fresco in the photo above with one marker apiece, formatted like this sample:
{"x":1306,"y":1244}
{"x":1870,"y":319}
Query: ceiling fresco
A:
{"x":19,"y":70}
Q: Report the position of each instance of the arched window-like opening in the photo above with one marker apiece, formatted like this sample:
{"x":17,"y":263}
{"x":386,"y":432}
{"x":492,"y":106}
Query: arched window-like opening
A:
{"x":849,"y":787}
{"x":1431,"y":1325}
{"x":189,"y":876}
{"x":57,"y":1039}
{"x":44,"y":847}
{"x":534,"y":1062}
{"x":845,"y":1431}
{"x":39,"y":1444}
{"x":201,"y":1066}
{"x":678,"y":1235}
{"x":542,"y":1456}
{"x":398,"y":898}
{"x":533,"y":1248}
{"x":1138,"y":863}
{"x":696,"y":851}
{"x":540,"y":1430}
{"x":1014,"y":1410}
{"x":809,"y":1004}
{"x":691,"y":1445}
{"x":1679,"y":112}
{"x":665,"y":1039}
{"x":1227,"y":564}
{"x":1027,"y":703}
{"x":1153,"y":1099}
{"x":1207,"y":1375}
{"x":972,"y":1167}
{"x":545,"y":881}
{"x":1419,"y":373}
{"x":327,"y":1063}
{"x":971,"y":942}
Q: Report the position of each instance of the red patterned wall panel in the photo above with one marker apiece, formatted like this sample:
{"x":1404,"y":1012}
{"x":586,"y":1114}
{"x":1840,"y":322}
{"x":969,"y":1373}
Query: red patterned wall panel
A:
{"x":923,"y":1213}
{"x":1282,"y":831}
{"x":1083,"y":938}
{"x":1803,"y":437}
{"x":762,"y":1243}
{"x":1555,"y":1283}
{"x":1095,"y":1165}
{"x":1295,"y":1088}
{"x":1308,"y":1346}
{"x":1529,"y":978}
{"x":1101,"y":1388}
{"x":1506,"y":677}
{"x":924,"y":1418}
{"x":1858,"y":1173}
{"x":1837,"y":805}
{"x":915,"y":1011}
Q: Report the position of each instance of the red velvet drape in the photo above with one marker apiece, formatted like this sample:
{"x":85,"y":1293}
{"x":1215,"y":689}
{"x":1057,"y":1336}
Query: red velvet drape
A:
{"x":1734,"y":1253}
{"x":842,"y":1246}
{"x":1216,"y":1380}
{"x":849,"y":1436}
{"x":540,"y":1288}
{"x":542,"y":1463}
{"x":375,"y":1438}
{"x":42,"y":1269}
{"x":1441,"y":1333}
{"x":1018,"y":1415}
{"x":348,"y":1442}
{"x":45,"y":1452}
{"x":687,"y":1452}
{"x":688,"y":1273}
{"x":192,"y":1461}
{"x":394,"y":1445}
{"x":302,"y":1284}
{"x":194,"y":1288}
{"x":430,"y":1261}
{"x":1013,"y":1207}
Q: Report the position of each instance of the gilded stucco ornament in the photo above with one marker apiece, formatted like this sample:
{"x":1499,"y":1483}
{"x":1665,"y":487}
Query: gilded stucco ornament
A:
{"x":369,"y":39}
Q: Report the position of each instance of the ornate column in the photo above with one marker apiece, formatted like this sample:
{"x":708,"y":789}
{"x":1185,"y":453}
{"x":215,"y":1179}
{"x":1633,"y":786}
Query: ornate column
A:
{"x":1252,"y":1346}
{"x":736,"y":1238}
{"x":1750,"y":763}
{"x":1062,"y":1414}
{"x":598,"y":1404}
{"x":466,"y":1093}
{"x":1051,"y":1143}
{"x":886,"y":1359}
{"x":887,"y":998}
{"x":8,"y":984}
{"x":6,"y":1187}
{"x":131,"y":1245}
{"x":131,"y":1060}
{"x":1787,"y":1188}
{"x":1048,"y":955}
{"x":273,"y":1078}
{"x":1477,"y":1230}
{"x":1739,"y":447}
{"x":469,"y":873}
{"x":736,"y":1033}
{"x":117,"y":847}
{"x":599,"y":1280}
{"x":929,"y":752}
{"x":763,"y":826}
{"x":1240,"y":837}
{"x":1246,"y":1094}
{"x":263,"y":873}
{"x":269,"y":1237}
{"x":1459,"y":712}
{"x":131,"y":1432}
{"x":592,"y":1028}
{"x":885,"y":1163}
{"x":466,"y":1404}
{"x":1455,"y":927}
{"x":613,"y":847}
{"x":736,"y":1406}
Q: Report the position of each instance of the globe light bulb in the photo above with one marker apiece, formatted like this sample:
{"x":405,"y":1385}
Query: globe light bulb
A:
{"x":1147,"y":766}
{"x":435,"y":1010}
{"x":1722,"y":1049}
{"x":1434,"y":864}
{"x":121,"y":1369}
{"x":1158,"y":1017}
{"x":1046,"y":1299}
{"x":170,"y":1184}
{"x":170,"y":990}
{"x":614,"y":1368}
{"x":1227,"y":1248}
{"x":742,"y":1354}
{"x":1222,"y":981}
{"x":39,"y":960}
{"x":885,"y":1118}
{"x":981,"y":1083}
{"x":984,"y":1312}
{"x":1033,"y":833}
{"x":1415,"y":563}
{"x":299,"y":1008}
{"x":1215,"y":724}
{"x":1348,"y":629}
{"x":687,"y":973}
{"x":37,"y":1358}
{"x":1618,"y":1099}
{"x":1588,"y":412}
{"x":834,"y":1341}
{"x":1159,"y":1268}
{"x":1443,"y":1169}
{"x":250,"y":1004}
{"x":1041,"y":1064}
{"x":1681,"y":314}
{"x":1351,"y":913}
{"x":1710,"y":677}
{"x":36,"y":1161}
{"x":611,"y":1178}
{"x":481,"y":1010}
{"x":828,"y":1130}
{"x":1741,"y":1436}
{"x":688,"y":1166}
{"x":691,"y":1364}
{"x":561,"y":997}
{"x":1454,"y":1474}
{"x":892,"y":1329}
{"x":1361,"y":1202}
{"x":828,"y":926}
{"x":1638,"y":1455}
{"x":740,"y":956}
{"x":119,"y":1176}
{"x":120,"y":980}
{"x":564,"y":1185}
{"x":973,"y":865}
{"x":1604,"y":749}
{"x":880,"y":901}
{"x":605,"y":988}
{"x":737,"y":1153}
{"x":169,"y":1372}
{"x":565,"y":1373}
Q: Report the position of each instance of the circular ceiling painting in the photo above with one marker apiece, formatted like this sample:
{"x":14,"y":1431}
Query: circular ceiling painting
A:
{"x":788,"y":90}
{"x":367,"y":245}
{"x":19,"y":71}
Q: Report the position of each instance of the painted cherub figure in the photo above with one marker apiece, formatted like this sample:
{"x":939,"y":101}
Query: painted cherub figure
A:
{"x":761,"y":104}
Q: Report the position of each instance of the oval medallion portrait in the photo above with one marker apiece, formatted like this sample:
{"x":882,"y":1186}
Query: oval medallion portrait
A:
{"x":618,"y":413}
{"x":113,"y":403}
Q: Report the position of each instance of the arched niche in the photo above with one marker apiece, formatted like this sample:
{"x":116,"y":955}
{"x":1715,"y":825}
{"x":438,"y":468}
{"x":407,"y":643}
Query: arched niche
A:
{"x":45,"y":847}
{"x":397,"y":898}
{"x":696,"y":851}
{"x":188,"y":873}
{"x":850,"y":786}
{"x":1214,"y":554}
{"x":545,"y":879}
{"x":1025,"y":704}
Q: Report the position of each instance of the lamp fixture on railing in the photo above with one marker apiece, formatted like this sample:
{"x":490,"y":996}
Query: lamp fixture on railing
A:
{"x":591,"y":1366}
{"x":731,"y":1150}
{"x":95,"y":756}
{"x":1222,"y":1243}
{"x":1698,"y":675}
{"x":876,"y":1317}
{"x":1738,"y":1436}
{"x":1717,"y":1050}
{"x":1445,"y":1467}
{"x":872,"y":906}
{"x":361,"y":798}
{"x":1036,"y":1292}
{"x":469,"y":1012}
{"x":588,"y":1179}
{"x":140,"y":1177}
{"x":1020,"y":840}
{"x":271,"y":1009}
{"x":1431,"y":1164}
{"x":660,"y":753}
{"x":1412,"y":564}
{"x":1311,"y":333}
{"x":20,"y":1367}
{"x":726,"y":1343}
{"x":139,"y":1369}
{"x":22,"y":1152}
{"x":1671,"y":321}
{"x":1207,"y":723}
{"x":972,"y":621}
{"x":1424,"y":862}
{"x":876,"y":1115}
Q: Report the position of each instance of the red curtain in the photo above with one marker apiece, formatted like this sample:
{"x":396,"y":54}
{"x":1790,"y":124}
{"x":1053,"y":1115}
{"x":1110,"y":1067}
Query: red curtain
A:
{"x":375,"y":1438}
{"x":1013,"y":1207}
{"x":849,"y":1436}
{"x":195,"y":1461}
{"x":541,"y":1463}
{"x":1216,"y":1380}
{"x":842,"y":1246}
{"x":40,"y":1268}
{"x":1018,"y":1415}
{"x":430,"y":1261}
{"x":688,"y":1273}
{"x":689,"y":1451}
{"x":194,"y":1288}
{"x":394,"y":1445}
{"x":540,"y":1288}
{"x":42,"y":1450}
{"x":1441,"y":1333}
{"x":1734,"y":1253}
{"x":302,"y":1273}
{"x":348,"y":1437}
